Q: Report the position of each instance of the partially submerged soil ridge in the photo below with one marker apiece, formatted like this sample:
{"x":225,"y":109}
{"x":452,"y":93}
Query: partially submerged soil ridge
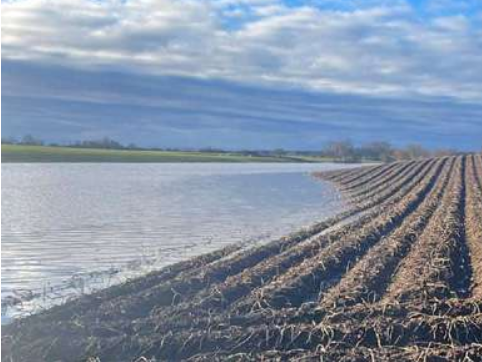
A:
{"x":397,"y":276}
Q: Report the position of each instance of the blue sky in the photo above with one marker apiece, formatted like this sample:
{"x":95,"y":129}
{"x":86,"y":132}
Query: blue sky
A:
{"x":244,"y":73}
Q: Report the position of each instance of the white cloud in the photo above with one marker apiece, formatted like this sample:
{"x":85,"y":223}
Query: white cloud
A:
{"x":376,"y":49}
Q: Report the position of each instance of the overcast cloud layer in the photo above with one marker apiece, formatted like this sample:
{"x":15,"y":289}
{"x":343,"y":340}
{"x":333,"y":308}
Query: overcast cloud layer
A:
{"x":380,"y":55}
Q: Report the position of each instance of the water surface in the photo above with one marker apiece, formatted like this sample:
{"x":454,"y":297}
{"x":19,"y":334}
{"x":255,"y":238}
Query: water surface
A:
{"x":63,"y":224}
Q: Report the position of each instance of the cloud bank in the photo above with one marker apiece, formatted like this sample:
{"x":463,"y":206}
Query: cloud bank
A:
{"x":57,"y":104}
{"x":367,"y":47}
{"x":244,"y":73}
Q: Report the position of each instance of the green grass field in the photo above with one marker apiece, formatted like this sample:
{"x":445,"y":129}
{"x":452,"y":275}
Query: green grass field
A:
{"x":24,"y":153}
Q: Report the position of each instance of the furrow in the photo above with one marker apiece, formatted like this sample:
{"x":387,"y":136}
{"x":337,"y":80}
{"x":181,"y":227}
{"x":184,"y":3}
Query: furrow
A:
{"x":477,"y":159}
{"x":473,"y":225}
{"x":363,"y":172}
{"x":431,"y":269}
{"x":397,"y":181}
{"x":340,"y":176}
{"x":390,"y":191}
{"x":339,"y":352}
{"x":314,"y":275}
{"x":370,"y":333}
{"x":368,"y":279}
{"x":371,"y":177}
{"x":393,"y":175}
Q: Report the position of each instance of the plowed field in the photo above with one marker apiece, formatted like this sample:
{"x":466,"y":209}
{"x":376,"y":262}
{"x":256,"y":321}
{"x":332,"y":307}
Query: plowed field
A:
{"x":396,"y":277}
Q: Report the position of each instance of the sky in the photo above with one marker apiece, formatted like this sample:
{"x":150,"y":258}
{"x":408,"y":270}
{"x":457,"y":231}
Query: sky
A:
{"x":241,"y":74}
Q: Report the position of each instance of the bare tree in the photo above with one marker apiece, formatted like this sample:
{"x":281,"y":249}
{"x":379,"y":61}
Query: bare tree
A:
{"x":381,"y":151}
{"x":31,"y":140}
{"x":341,"y":150}
{"x":415,"y":151}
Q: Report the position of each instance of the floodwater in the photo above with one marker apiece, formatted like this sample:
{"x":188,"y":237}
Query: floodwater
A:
{"x":73,"y":228}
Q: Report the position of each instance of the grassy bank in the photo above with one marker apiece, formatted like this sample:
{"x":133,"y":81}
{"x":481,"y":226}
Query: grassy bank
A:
{"x":24,"y":153}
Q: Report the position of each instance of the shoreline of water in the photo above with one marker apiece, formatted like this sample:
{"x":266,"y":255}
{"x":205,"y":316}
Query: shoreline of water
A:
{"x":240,"y":202}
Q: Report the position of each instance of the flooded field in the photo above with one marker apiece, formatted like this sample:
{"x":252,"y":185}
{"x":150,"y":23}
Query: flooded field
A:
{"x":71,"y":228}
{"x":402,"y":281}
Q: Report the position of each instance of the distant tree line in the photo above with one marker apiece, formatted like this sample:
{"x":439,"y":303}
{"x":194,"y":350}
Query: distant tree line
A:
{"x":346,"y":151}
{"x":339,"y":151}
{"x":104,"y":142}
{"x":25,"y":140}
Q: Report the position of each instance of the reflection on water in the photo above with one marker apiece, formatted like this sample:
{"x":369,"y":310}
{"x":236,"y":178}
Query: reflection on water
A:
{"x":64,"y":220}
